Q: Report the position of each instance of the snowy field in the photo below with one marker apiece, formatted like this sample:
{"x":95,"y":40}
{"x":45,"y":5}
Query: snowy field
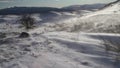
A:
{"x":90,"y":41}
{"x":58,"y":50}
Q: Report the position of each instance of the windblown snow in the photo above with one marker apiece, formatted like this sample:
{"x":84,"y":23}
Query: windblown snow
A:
{"x":76,"y":42}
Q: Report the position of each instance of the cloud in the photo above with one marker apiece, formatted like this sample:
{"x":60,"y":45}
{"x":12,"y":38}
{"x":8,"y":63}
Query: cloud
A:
{"x":6,"y":0}
{"x":56,"y":0}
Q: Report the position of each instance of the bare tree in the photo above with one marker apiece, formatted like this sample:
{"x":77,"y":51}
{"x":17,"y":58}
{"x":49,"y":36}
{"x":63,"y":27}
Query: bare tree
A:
{"x":27,"y":21}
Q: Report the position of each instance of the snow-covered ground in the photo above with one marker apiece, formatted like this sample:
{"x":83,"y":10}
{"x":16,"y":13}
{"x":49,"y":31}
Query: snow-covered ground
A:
{"x":58,"y":50}
{"x":49,"y":47}
{"x":75,"y":42}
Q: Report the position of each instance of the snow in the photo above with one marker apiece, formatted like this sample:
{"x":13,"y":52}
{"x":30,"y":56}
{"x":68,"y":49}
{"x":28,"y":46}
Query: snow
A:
{"x":61,"y":45}
{"x":58,"y":49}
{"x":112,"y":9}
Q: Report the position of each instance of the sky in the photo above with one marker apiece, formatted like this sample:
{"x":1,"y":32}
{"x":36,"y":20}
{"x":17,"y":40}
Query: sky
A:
{"x":47,"y":3}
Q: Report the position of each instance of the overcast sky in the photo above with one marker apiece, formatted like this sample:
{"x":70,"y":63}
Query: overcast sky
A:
{"x":48,"y":3}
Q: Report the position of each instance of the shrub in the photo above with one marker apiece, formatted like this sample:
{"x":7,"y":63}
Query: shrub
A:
{"x":27,"y":21}
{"x":2,"y":35}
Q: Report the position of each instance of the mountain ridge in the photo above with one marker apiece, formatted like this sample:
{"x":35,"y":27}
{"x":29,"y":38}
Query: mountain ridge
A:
{"x":30,"y":10}
{"x":86,"y":6}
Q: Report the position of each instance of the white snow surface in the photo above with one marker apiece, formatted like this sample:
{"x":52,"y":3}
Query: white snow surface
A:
{"x":111,"y":9}
{"x":55,"y":45}
{"x":57,"y":50}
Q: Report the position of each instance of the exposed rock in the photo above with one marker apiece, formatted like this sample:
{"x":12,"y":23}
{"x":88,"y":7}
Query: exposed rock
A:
{"x":24,"y":35}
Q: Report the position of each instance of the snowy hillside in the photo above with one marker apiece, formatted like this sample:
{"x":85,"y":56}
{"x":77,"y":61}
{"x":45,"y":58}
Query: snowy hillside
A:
{"x":63,"y":40}
{"x":112,"y":8}
{"x":104,"y":20}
